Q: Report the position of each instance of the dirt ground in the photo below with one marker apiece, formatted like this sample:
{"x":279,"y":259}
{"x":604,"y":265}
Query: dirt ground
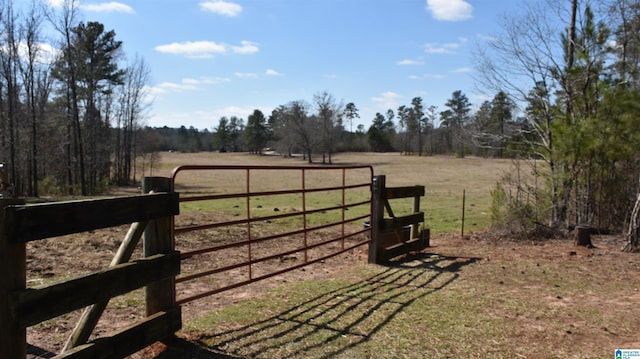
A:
{"x":57,"y":259}
{"x":61,"y":258}
{"x":581,"y":298}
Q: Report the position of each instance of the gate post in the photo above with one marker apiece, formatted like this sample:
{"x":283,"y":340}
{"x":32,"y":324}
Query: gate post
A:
{"x":158,"y":239}
{"x":13,"y":276}
{"x":377,"y":216}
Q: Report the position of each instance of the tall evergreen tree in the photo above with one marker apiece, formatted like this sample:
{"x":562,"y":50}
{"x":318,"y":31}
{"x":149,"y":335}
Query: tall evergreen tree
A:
{"x":256,"y":132}
{"x":456,"y":117}
{"x":501,"y":114}
{"x":379,"y":134}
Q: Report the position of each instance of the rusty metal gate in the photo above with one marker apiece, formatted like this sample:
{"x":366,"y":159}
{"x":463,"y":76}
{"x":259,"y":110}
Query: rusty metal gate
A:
{"x":242,"y":224}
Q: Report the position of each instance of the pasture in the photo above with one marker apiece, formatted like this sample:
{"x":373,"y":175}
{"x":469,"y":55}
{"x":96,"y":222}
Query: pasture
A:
{"x":445,"y":179}
{"x":472,"y":297}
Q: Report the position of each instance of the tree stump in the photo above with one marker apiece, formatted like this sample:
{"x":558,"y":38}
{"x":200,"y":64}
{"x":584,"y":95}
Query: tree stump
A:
{"x":583,"y":236}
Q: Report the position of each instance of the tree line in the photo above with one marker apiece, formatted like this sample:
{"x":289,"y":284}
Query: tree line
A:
{"x":69,"y":117}
{"x":323,"y":127}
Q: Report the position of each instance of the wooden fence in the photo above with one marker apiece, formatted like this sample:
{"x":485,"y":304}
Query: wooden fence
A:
{"x":21,"y":307}
{"x":150,"y":214}
{"x":393,"y":236}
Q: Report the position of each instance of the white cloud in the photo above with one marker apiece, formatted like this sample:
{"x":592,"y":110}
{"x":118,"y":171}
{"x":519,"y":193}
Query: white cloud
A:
{"x":112,"y":6}
{"x":613,"y":44}
{"x":434,"y":48}
{"x":481,"y":97}
{"x":427,"y":76}
{"x":206,"y":49}
{"x":435,"y":76}
{"x":450,"y":10}
{"x":193,"y":49}
{"x":55,"y":3}
{"x":407,"y":62}
{"x":272,"y":72}
{"x":221,"y":7}
{"x":462,"y":70}
{"x":246,"y":75}
{"x":166,"y":87}
{"x":187,"y":84}
{"x":206,"y":80}
{"x":242,"y":112}
{"x":43,"y":53}
{"x":214,"y":80}
{"x":387,"y":100}
{"x":247,"y":47}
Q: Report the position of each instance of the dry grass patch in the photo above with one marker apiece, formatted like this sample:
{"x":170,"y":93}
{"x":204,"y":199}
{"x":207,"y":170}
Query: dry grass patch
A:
{"x":444,"y":177}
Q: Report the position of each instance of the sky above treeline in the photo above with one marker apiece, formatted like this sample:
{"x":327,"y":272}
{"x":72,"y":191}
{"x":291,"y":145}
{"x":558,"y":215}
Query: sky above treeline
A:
{"x":210,"y":59}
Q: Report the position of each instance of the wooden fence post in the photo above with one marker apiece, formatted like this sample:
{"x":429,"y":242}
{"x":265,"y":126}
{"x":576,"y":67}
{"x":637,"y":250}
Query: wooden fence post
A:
{"x":13,"y":276}
{"x":158,"y":239}
{"x":377,"y":216}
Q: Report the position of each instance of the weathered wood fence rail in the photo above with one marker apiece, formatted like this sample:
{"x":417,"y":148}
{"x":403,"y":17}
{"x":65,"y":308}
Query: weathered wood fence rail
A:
{"x":393,"y":236}
{"x":21,"y":307}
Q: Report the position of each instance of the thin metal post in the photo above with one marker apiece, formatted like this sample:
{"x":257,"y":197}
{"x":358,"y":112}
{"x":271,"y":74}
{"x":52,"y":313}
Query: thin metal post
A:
{"x":248,"y":204}
{"x":464,"y":198}
{"x":344,"y":183}
{"x":304,"y":214}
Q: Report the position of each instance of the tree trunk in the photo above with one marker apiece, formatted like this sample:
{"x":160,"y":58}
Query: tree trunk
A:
{"x":634,"y":222}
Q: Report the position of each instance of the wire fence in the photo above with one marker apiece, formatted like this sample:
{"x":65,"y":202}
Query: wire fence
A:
{"x":464,"y":211}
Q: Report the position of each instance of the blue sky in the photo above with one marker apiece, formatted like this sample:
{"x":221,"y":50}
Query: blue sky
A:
{"x":217,"y":58}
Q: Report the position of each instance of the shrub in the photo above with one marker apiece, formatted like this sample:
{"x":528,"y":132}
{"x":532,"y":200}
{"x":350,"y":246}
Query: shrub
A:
{"x":517,"y":206}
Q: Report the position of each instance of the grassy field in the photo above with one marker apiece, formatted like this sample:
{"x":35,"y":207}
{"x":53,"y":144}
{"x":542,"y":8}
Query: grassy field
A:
{"x":445,"y":179}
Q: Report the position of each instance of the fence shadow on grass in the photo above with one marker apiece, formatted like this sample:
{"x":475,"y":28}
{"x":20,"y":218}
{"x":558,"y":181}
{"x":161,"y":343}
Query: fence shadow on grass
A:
{"x":339,"y":320}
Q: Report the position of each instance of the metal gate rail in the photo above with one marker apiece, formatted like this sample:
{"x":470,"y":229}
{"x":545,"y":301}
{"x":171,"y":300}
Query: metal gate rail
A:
{"x":249,"y":240}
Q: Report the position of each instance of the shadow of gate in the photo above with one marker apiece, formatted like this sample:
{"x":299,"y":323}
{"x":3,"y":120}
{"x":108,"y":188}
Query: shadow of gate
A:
{"x":339,"y":320}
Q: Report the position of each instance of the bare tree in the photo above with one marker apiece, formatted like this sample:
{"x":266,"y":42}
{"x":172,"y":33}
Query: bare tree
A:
{"x":624,"y":17}
{"x":329,"y":114}
{"x":37,"y":86}
{"x":9,"y":94}
{"x":525,"y":61}
{"x":301,"y":127}
{"x":133,"y":107}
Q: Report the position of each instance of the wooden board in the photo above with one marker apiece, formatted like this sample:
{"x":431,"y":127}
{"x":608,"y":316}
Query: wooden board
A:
{"x":404,"y":192}
{"x":32,"y":306}
{"x":131,"y":339}
{"x":390,"y":224}
{"x":28,"y":223}
{"x":416,"y":244}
